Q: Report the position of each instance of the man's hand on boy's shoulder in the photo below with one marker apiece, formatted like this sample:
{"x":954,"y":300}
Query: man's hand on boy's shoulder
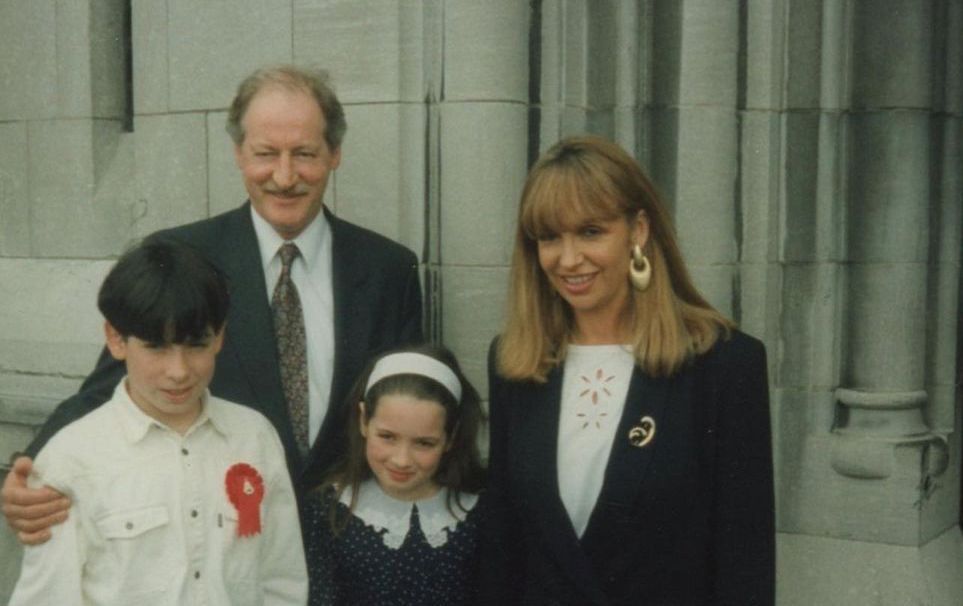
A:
{"x":30,"y":512}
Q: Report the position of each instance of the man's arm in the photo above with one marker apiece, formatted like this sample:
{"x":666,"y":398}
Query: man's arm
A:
{"x":31,"y":512}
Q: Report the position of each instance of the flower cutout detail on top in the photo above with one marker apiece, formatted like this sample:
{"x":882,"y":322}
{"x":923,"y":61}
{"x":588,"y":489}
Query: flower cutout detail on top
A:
{"x":593,"y":399}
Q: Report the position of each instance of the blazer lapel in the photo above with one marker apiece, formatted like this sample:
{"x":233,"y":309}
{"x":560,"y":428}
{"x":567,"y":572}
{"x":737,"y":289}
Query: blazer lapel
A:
{"x":250,"y":327}
{"x":536,"y":451}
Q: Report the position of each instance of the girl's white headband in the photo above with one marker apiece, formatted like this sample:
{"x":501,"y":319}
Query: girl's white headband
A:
{"x":415,"y":364}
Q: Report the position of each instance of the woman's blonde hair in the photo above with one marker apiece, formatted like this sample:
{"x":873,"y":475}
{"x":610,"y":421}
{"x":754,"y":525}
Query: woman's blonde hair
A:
{"x":590,"y":177}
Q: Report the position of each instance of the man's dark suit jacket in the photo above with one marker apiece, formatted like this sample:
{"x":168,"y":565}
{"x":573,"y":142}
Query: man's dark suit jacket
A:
{"x":687,"y":519}
{"x":377,"y":306}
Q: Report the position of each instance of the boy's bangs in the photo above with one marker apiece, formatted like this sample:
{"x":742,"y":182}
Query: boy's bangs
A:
{"x":177,"y":314}
{"x":559,"y":200}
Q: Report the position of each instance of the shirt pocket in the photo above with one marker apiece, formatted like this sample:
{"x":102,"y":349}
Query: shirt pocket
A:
{"x":137,"y":553}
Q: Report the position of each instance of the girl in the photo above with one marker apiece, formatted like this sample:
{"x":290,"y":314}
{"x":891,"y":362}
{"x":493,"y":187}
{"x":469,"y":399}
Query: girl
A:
{"x":630,"y":451}
{"x":397,"y":521}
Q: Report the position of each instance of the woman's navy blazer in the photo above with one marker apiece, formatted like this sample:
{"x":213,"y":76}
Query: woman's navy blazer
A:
{"x":686,"y":519}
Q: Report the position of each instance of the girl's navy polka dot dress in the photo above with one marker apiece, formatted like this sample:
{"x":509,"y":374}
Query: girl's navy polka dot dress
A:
{"x":391,"y":552}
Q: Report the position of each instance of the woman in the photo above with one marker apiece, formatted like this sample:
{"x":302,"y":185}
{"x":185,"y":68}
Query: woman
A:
{"x":630,"y":454}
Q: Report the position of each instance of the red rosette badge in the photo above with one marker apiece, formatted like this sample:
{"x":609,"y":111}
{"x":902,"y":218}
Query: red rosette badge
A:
{"x":245,"y":490}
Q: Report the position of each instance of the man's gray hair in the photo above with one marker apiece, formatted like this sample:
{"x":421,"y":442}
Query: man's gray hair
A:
{"x":316,"y":82}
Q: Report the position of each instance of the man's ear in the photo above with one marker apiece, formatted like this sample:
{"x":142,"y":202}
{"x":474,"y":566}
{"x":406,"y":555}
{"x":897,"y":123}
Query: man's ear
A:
{"x":116,"y":342}
{"x":219,"y":339}
{"x":362,"y":420}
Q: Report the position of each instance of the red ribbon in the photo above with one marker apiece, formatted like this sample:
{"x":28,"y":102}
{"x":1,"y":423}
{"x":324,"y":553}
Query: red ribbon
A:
{"x":245,"y":489}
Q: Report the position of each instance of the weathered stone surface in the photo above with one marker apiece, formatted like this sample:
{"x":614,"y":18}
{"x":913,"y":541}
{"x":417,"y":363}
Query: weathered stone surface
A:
{"x":171,"y":172}
{"x":381,"y":181}
{"x":486,"y":50}
{"x":474,"y":303}
{"x":28,"y":60}
{"x":213,"y":45}
{"x":890,"y":186}
{"x":14,"y":177}
{"x":79,"y":173}
{"x":150,"y":49}
{"x":224,"y":185}
{"x":482,"y":173}
{"x":329,"y":34}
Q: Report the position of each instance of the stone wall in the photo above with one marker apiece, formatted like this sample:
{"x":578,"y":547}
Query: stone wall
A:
{"x":809,"y":150}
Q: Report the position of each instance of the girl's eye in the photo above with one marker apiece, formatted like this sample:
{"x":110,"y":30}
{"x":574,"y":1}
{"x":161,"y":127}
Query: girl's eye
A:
{"x":427,"y":443}
{"x":386,"y":436}
{"x":591,"y":230}
{"x":546,"y":237}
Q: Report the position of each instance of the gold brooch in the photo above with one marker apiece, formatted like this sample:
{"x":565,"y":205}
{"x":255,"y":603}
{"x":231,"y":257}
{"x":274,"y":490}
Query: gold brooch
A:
{"x":643,"y":433}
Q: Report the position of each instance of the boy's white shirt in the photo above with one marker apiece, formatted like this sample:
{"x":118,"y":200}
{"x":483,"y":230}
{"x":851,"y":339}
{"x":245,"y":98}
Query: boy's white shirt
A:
{"x":131,"y":537}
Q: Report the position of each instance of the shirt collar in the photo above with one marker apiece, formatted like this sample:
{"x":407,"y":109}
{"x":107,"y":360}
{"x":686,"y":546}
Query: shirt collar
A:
{"x":136,"y":423}
{"x":309,"y":242}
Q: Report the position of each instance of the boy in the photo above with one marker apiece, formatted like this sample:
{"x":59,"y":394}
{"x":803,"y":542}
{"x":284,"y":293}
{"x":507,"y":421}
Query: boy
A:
{"x":178,"y":497}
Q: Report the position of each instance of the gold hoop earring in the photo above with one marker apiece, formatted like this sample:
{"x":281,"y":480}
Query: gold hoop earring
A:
{"x":640,"y":270}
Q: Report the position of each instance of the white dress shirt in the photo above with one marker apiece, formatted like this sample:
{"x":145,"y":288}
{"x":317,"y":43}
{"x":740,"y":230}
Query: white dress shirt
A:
{"x":151,"y":521}
{"x":594,"y":386}
{"x":311,"y":273}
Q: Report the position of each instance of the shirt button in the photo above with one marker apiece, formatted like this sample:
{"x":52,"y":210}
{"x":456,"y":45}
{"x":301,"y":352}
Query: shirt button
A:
{"x":184,"y":452}
{"x":193,"y":513}
{"x":129,"y":525}
{"x":197,"y":574}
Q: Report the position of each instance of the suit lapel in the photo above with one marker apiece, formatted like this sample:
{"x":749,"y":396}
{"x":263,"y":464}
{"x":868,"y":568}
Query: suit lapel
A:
{"x":250,"y":328}
{"x":537,"y":450}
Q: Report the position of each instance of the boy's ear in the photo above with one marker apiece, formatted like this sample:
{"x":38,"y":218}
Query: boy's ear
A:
{"x":219,"y":339}
{"x":362,"y":420}
{"x":116,"y":343}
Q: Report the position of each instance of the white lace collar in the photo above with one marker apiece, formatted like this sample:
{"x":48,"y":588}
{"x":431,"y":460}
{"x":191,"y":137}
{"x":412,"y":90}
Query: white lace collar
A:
{"x":392,"y":518}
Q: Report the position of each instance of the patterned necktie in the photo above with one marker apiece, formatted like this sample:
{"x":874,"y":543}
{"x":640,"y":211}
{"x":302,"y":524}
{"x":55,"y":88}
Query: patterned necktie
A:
{"x":292,"y":346}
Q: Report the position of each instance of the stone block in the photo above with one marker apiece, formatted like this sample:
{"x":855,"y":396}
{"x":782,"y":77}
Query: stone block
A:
{"x":14,"y":209}
{"x":705,"y":210}
{"x":942,"y":321}
{"x":709,"y":70}
{"x":760,"y":192}
{"x":831,"y":571}
{"x":892,"y":54}
{"x":573,"y":73}
{"x":810,"y":300}
{"x":225,"y":186}
{"x":50,"y":323}
{"x":759,"y":292}
{"x":765,"y":48}
{"x":887,"y":329}
{"x":715,"y":282}
{"x":107,"y":80}
{"x":10,"y":562}
{"x":28,"y":60}
{"x":804,"y":53}
{"x":486,"y":50}
{"x":382,"y":177}
{"x":483,"y":146}
{"x":667,"y":55}
{"x":389,"y":35}
{"x":801,"y":204}
{"x":210,"y":47}
{"x":79,"y":176}
{"x":660,"y":128}
{"x":150,"y":39}
{"x":890,"y":186}
{"x":171,"y":172}
{"x":473,"y":299}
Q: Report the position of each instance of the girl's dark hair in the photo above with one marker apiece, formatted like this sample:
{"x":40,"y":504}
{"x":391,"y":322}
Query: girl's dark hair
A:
{"x":460,"y":469}
{"x":163,"y":291}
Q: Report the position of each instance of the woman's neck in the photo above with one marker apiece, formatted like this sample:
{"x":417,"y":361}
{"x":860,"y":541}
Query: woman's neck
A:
{"x":601,"y":331}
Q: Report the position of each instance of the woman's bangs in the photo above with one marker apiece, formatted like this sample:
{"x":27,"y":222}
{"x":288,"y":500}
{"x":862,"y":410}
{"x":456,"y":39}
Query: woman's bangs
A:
{"x":559,"y":201}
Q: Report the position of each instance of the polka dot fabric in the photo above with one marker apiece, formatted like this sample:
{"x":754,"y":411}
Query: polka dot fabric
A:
{"x":357,"y":567}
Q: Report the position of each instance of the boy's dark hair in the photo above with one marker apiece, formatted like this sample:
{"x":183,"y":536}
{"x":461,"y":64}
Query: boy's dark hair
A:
{"x":460,"y":469}
{"x":163,"y":291}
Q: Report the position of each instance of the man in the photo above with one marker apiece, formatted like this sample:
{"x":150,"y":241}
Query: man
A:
{"x":358,"y":292}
